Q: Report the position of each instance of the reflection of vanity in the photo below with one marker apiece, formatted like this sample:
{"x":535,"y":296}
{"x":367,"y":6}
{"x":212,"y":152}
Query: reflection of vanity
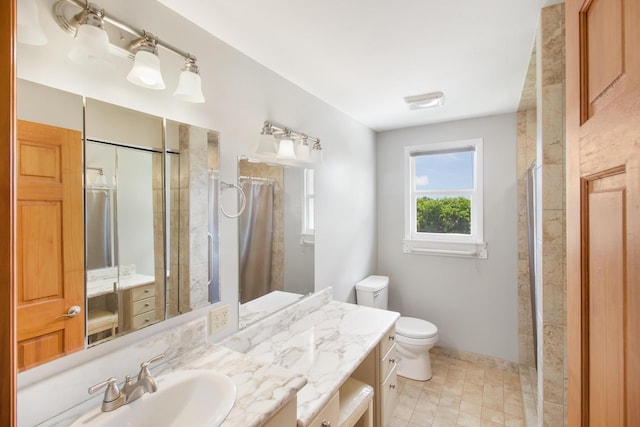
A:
{"x":130,"y":297}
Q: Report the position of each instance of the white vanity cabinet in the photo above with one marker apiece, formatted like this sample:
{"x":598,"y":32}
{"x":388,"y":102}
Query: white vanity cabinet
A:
{"x":379,"y":371}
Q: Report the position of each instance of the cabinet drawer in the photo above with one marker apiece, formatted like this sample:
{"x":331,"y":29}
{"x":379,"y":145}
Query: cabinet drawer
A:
{"x":388,"y":396}
{"x":387,"y":341}
{"x":330,"y":414}
{"x":144,"y":305}
{"x":144,"y":319}
{"x":388,"y":363}
{"x":142,"y":292}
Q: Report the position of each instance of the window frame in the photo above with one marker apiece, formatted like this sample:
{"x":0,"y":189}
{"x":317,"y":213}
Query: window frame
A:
{"x":307,"y":234}
{"x":452,"y":244}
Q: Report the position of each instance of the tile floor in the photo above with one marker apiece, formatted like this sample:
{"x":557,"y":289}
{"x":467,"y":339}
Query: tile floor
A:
{"x":459,"y":394}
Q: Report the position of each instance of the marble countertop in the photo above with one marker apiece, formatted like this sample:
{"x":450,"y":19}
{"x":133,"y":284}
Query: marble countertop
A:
{"x":326,"y":346}
{"x":261,"y":389}
{"x":105,"y":286}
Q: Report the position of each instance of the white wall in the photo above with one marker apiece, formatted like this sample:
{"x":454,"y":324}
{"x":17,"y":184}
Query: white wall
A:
{"x":240,"y":95}
{"x":472,"y":302}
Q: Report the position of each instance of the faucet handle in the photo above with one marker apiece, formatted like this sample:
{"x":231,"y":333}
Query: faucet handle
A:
{"x":144,"y":366}
{"x":113,"y":398}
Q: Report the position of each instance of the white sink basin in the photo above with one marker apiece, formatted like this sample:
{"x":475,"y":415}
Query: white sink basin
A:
{"x":184,"y":398}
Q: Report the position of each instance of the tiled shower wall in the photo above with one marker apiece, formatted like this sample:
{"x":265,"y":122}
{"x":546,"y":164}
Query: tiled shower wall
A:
{"x":541,"y":138}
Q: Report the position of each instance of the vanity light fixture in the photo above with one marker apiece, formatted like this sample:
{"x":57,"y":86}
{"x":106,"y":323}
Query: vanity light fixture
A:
{"x":285,"y":147}
{"x":427,"y":100}
{"x":190,"y":84}
{"x":146,"y":64}
{"x":284,"y":143}
{"x":29,"y":29}
{"x":92,"y":41}
{"x":98,"y":35}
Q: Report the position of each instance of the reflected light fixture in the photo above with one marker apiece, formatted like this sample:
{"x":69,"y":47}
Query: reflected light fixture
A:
{"x":427,"y":100}
{"x":29,"y":29}
{"x":266,"y":141}
{"x":287,"y":144}
{"x":92,"y":42}
{"x":146,"y":64}
{"x":190,"y":84}
{"x":285,"y":148}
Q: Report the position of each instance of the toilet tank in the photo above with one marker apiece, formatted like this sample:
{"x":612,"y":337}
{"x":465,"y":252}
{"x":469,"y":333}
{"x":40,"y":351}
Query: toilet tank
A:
{"x":373,"y":291}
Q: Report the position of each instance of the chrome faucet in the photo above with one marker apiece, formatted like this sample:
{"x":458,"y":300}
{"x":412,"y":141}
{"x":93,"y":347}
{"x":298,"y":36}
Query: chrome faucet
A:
{"x":145,"y":383}
{"x":115,"y":398}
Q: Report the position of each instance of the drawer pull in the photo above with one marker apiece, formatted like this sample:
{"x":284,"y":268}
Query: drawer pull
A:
{"x":326,"y":423}
{"x":392,"y":337}
{"x":146,"y":291}
{"x":146,"y":304}
{"x":392,"y":361}
{"x":146,"y":320}
{"x":392,"y":386}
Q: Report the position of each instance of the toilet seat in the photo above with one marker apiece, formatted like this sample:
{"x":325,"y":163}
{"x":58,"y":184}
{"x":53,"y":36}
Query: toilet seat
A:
{"x":410,"y":327}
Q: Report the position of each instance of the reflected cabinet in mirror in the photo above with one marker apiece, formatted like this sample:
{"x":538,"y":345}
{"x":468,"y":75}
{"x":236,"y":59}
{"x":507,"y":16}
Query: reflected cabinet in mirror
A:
{"x":133,"y":246}
{"x":276,"y":235}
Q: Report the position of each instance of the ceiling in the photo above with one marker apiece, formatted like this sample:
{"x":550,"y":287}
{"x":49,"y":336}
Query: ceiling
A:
{"x":364,"y":56}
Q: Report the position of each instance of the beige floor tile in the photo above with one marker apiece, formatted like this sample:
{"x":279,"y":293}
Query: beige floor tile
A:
{"x":398,"y":422}
{"x":460,"y":394}
{"x":470,"y":408}
{"x":465,"y":420}
{"x":450,"y":401}
{"x":489,"y":414}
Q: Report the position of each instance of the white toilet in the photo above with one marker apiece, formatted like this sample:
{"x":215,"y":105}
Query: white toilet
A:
{"x":414,"y":337}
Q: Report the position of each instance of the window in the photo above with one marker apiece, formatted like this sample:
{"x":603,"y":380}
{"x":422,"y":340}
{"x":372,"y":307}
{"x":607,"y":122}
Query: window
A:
{"x":443,"y":199}
{"x":308,"y":201}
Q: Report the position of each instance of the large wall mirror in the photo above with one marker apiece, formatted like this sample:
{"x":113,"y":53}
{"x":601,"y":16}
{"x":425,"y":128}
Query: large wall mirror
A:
{"x":276,"y":238}
{"x":149,"y":207}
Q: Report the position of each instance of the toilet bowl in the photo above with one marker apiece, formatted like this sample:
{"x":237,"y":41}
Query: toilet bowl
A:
{"x":414,"y":337}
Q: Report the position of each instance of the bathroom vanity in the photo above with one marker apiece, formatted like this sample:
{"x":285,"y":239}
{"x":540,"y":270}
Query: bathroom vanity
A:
{"x":328,"y":342}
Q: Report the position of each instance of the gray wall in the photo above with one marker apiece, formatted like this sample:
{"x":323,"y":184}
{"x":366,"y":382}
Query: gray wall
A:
{"x":473,"y":302}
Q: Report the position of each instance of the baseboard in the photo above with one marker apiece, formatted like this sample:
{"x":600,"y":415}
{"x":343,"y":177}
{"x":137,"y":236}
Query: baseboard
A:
{"x":480,"y":359}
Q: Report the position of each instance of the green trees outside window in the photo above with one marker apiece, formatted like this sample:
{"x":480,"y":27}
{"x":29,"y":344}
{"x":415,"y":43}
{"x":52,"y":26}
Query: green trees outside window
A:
{"x":443,"y":215}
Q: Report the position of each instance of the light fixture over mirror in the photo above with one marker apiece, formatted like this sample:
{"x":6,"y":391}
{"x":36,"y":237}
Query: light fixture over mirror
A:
{"x":91,"y":46}
{"x":190,"y":84}
{"x":287,"y":144}
{"x":99,"y":35}
{"x":146,"y":64}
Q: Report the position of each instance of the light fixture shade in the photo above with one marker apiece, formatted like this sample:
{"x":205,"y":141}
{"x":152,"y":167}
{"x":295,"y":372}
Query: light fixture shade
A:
{"x":189,"y":87}
{"x":266,"y":144}
{"x":303,"y":152}
{"x":29,"y":29}
{"x":91,"y":46}
{"x":146,"y":71}
{"x":285,"y":151}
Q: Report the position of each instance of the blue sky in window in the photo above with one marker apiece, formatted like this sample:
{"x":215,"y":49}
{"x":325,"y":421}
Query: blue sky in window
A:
{"x":446,"y":171}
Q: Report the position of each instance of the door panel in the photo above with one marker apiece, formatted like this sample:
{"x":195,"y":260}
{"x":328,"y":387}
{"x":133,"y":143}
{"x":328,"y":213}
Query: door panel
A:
{"x":603,"y":212}
{"x":49,"y":243}
{"x":606,"y":288}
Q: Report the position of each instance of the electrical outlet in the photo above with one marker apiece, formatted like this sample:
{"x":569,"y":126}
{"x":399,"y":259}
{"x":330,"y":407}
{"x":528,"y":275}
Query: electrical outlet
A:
{"x":218,"y":318}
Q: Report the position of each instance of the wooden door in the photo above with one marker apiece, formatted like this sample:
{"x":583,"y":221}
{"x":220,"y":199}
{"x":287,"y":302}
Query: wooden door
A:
{"x":49,"y":243}
{"x":7,"y":137}
{"x":603,"y":211}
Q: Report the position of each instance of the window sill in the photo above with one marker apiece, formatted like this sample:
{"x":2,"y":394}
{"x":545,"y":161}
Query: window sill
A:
{"x":307,"y":239}
{"x":451,"y":249}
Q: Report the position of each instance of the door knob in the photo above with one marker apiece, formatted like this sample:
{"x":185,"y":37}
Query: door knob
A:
{"x":73,"y":311}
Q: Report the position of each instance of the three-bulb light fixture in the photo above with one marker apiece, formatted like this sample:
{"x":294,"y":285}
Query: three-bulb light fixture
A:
{"x":287,"y":144}
{"x":93,"y":46}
